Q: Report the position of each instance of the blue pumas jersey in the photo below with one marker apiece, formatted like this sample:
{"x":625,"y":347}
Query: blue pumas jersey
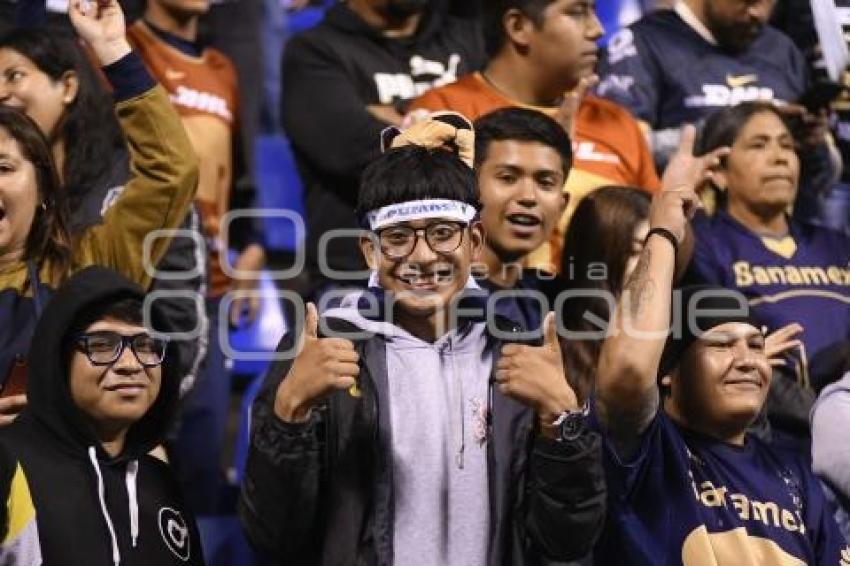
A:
{"x":804,"y":277}
{"x":686,"y":499}
{"x":667,"y":74}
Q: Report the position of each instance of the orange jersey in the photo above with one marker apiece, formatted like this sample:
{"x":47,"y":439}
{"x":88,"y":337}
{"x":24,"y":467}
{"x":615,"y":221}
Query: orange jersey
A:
{"x":204,"y":90}
{"x":609,"y":147}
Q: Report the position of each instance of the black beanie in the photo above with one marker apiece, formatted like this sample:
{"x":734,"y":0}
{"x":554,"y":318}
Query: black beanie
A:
{"x":702,"y":307}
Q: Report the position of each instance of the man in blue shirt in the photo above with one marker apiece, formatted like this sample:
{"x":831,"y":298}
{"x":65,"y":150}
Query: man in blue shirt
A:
{"x":677,"y":66}
{"x":687,"y":484}
{"x":674,"y":67}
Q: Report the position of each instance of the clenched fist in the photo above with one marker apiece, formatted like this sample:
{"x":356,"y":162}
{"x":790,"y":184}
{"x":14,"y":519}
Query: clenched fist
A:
{"x":101,"y":24}
{"x":321,"y":366}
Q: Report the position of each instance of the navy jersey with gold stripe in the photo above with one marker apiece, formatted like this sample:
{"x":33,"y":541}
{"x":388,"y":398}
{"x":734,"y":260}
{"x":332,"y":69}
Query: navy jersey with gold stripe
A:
{"x":803,"y":278}
{"x":689,"y":499}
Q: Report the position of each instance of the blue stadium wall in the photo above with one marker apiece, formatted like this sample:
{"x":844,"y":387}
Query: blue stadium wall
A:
{"x":617,"y":13}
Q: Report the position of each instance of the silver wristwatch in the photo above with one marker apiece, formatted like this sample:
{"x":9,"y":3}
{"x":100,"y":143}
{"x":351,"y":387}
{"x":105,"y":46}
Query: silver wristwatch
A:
{"x":571,"y":424}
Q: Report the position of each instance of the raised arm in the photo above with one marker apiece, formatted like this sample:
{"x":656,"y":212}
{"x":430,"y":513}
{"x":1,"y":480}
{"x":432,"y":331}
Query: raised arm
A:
{"x":163,"y":163}
{"x":626,"y":387}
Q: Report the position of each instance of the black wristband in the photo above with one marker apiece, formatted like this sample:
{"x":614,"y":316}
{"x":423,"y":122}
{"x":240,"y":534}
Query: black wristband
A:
{"x":666,"y":234}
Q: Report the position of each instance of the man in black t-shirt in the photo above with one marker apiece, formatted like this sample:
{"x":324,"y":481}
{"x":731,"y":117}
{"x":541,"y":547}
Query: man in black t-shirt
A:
{"x":346,"y":80}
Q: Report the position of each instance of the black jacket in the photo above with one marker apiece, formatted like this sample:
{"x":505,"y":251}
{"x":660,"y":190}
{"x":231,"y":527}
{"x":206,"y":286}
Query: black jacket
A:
{"x":54,"y":448}
{"x":331,"y":73}
{"x":321,"y":492}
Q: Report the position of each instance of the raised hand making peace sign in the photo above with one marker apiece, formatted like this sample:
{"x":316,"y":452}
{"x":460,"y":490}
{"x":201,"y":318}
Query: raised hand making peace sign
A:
{"x":674,"y":206}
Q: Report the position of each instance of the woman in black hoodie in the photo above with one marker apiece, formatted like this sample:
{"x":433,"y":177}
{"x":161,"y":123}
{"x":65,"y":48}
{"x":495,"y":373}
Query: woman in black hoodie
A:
{"x":75,"y":471}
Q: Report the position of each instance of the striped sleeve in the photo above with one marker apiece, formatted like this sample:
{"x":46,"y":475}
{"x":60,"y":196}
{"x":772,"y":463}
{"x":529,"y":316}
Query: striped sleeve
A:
{"x":20,"y":544}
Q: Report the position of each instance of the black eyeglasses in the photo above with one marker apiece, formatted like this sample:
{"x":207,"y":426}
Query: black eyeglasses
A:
{"x":104,"y":347}
{"x":443,"y":237}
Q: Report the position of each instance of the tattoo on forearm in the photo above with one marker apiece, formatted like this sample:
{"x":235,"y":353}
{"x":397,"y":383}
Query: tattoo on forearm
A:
{"x":640,"y":288}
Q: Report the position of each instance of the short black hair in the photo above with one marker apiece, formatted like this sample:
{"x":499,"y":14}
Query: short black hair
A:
{"x":494,"y":12}
{"x":724,"y":126}
{"x":413,"y":173}
{"x":122,"y":308}
{"x":525,"y":125}
{"x":704,"y":307}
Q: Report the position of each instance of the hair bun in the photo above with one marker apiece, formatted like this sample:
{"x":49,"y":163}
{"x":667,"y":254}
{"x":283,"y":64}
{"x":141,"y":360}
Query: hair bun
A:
{"x":441,"y":130}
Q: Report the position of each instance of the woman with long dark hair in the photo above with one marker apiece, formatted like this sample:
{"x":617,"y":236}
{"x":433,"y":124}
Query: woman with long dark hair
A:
{"x":48,"y":78}
{"x":602,"y":244}
{"x":51,"y":79}
{"x":37,"y":252}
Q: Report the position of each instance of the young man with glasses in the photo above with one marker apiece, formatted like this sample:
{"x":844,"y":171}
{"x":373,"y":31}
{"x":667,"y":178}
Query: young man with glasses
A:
{"x":406,"y":429}
{"x":76,"y":476}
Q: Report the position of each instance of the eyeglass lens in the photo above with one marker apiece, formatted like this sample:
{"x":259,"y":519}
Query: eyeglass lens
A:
{"x":106,"y":347}
{"x":441,"y":237}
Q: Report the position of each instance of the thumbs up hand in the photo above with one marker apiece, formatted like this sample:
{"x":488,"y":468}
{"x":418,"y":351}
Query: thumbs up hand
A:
{"x":322,"y":365}
{"x":534,"y":375}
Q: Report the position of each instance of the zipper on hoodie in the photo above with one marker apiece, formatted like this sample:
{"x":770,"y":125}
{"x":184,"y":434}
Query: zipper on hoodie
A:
{"x":514,"y":329}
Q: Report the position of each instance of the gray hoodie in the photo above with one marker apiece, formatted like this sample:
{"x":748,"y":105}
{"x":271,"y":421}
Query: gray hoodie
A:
{"x":830,"y":420}
{"x":438,"y":399}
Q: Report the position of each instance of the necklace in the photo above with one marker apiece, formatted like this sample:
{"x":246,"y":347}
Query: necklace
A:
{"x":504,"y":93}
{"x":773,"y":235}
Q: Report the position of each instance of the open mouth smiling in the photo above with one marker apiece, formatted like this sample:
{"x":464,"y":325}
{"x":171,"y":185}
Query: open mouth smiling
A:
{"x":427,"y":280}
{"x":524,"y":220}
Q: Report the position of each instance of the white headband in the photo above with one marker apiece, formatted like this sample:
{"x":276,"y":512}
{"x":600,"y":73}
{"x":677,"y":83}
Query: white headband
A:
{"x":419,"y":210}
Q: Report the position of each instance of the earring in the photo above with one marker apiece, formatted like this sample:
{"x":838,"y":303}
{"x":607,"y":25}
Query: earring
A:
{"x":44,"y":205}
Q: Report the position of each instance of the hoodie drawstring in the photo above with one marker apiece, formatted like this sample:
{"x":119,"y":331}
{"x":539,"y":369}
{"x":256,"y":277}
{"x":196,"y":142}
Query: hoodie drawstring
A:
{"x":132,"y":473}
{"x":132,"y":496}
{"x":101,"y":493}
{"x":458,"y":425}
